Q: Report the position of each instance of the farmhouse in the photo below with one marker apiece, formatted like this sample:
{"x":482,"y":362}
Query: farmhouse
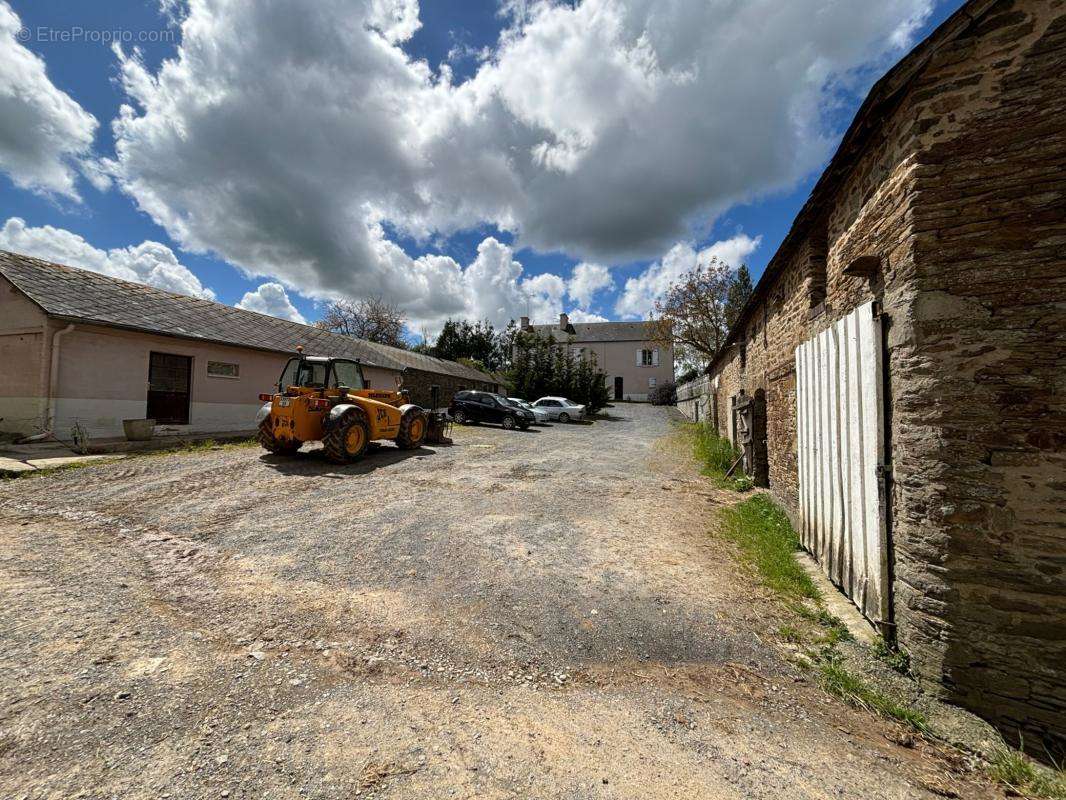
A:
{"x":81,"y":348}
{"x":632,"y":354}
{"x":897,"y":377}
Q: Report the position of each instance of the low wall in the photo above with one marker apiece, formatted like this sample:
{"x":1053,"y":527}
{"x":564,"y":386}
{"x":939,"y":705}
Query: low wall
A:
{"x":694,"y":398}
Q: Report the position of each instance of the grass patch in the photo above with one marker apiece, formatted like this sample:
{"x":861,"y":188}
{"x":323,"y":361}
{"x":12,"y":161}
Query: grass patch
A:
{"x":767,"y":543}
{"x":1014,"y":770}
{"x":714,"y":453}
{"x":837,"y":680}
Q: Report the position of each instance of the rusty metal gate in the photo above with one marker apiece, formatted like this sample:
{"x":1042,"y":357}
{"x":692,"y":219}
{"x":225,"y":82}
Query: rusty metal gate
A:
{"x":840,"y":419}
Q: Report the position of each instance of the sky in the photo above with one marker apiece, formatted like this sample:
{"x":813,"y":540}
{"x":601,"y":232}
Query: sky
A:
{"x":459,"y":158}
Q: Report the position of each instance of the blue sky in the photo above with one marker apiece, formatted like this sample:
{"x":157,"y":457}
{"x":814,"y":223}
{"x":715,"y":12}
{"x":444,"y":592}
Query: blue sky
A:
{"x":270,"y":230}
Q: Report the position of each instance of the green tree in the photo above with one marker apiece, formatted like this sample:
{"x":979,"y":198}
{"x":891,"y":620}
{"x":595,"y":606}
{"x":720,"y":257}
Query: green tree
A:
{"x":539,"y":366}
{"x":461,"y":339}
{"x":737,"y":294}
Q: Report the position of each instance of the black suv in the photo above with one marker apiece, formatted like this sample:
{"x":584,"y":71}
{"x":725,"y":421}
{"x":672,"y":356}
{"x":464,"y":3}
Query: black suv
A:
{"x":469,"y":407}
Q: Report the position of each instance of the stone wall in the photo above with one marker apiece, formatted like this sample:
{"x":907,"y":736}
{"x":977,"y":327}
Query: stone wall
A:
{"x":960,"y":192}
{"x":694,"y":399}
{"x":419,"y":383}
{"x":985,"y":441}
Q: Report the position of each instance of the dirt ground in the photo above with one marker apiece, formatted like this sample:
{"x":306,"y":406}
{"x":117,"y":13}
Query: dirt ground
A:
{"x":541,"y":614}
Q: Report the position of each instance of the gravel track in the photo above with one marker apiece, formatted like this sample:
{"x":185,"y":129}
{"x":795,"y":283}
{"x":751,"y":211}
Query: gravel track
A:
{"x":539,"y":614}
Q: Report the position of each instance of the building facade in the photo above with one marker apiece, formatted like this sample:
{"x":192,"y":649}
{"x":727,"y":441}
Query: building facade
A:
{"x":907,"y":345}
{"x":83,"y":350}
{"x":629,"y":352}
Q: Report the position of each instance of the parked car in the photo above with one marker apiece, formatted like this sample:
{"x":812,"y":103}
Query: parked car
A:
{"x":539,"y":413}
{"x":470,"y":407}
{"x":559,"y":408}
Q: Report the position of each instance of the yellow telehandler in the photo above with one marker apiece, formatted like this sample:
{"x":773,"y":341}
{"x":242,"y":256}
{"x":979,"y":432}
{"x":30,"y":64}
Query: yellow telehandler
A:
{"x":326,"y":399}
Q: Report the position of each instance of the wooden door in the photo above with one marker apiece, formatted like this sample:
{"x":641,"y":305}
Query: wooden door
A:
{"x":169,"y":379}
{"x":840,"y":416}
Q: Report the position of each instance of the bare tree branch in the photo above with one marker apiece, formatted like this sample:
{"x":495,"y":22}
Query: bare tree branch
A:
{"x":371,"y":318}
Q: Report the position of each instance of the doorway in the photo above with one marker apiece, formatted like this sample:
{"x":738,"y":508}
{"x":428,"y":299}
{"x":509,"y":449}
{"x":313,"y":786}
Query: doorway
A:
{"x":618,"y":388}
{"x":168,"y":388}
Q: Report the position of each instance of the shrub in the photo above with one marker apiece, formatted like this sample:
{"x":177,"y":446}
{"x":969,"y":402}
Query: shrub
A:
{"x":665,"y":395}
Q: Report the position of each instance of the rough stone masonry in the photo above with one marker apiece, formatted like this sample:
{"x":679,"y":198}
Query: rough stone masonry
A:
{"x":946,"y":203}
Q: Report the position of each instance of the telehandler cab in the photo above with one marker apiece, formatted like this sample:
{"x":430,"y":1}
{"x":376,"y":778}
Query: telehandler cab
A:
{"x":326,"y":399}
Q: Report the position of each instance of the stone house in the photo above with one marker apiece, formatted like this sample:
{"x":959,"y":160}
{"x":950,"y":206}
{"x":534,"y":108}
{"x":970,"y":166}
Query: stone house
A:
{"x":634,"y":358}
{"x":79,"y":347}
{"x":898,"y":377}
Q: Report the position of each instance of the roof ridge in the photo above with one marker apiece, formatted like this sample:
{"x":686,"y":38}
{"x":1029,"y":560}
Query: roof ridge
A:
{"x":33,"y":276}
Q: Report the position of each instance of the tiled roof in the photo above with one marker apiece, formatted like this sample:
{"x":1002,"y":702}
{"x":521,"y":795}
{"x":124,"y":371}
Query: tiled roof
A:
{"x":601,"y":331}
{"x":81,"y":296}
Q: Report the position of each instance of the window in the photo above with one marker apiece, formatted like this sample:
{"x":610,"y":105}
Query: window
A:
{"x":651,"y":383}
{"x":646,"y":357}
{"x":220,"y":369}
{"x":347,"y":373}
{"x":311,"y":374}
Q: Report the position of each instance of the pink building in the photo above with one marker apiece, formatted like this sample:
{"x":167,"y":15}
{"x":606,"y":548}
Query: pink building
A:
{"x":79,"y":348}
{"x":635,"y":362}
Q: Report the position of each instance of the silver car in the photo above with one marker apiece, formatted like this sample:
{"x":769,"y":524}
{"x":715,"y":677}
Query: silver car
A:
{"x":559,"y":408}
{"x":540,"y":415}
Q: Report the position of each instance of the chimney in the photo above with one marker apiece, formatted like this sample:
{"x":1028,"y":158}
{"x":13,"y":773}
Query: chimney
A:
{"x":564,"y":321}
{"x":524,"y":323}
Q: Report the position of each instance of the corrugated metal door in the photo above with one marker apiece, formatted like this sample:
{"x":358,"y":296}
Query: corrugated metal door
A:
{"x":840,"y":420}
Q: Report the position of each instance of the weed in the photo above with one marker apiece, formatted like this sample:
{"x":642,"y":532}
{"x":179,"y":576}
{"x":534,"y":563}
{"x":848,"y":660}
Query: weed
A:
{"x":837,"y":680}
{"x":1014,"y":770}
{"x":790,"y":634}
{"x":899,"y":660}
{"x":743,"y":484}
{"x":767,"y":542}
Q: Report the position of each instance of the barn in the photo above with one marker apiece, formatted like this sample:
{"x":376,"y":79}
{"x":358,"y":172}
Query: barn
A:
{"x":86,"y":350}
{"x":896,"y":379}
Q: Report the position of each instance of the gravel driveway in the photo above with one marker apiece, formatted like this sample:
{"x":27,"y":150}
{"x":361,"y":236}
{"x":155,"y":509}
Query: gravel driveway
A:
{"x":522,"y":614}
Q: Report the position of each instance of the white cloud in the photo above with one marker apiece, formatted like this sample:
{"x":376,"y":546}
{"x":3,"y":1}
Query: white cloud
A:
{"x":580,"y":315}
{"x":283,"y":137}
{"x":45,"y":137}
{"x":640,"y":293}
{"x":587,"y":280}
{"x":148,"y":262}
{"x":273,"y":300}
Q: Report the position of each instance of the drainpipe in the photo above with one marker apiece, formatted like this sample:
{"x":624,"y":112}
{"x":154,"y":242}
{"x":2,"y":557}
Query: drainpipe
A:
{"x":53,"y":377}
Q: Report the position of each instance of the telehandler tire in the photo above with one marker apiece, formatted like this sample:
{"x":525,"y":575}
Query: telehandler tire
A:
{"x":413,"y":427}
{"x":280,"y":447}
{"x":347,"y":438}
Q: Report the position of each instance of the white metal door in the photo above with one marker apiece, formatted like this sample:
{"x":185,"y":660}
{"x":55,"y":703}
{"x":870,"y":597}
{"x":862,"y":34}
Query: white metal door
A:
{"x":840,"y":420}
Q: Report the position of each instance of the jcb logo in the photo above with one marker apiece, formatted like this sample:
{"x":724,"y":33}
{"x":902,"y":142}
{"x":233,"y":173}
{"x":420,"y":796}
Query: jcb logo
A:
{"x":383,"y":415}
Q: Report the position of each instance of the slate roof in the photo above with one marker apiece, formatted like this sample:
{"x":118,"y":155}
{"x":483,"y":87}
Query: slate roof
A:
{"x":601,"y":331}
{"x":77,"y":295}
